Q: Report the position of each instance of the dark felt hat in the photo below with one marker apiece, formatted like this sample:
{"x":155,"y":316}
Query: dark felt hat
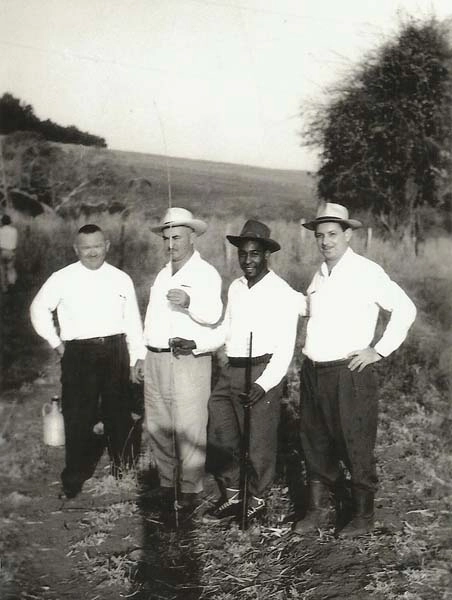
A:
{"x":256,"y":231}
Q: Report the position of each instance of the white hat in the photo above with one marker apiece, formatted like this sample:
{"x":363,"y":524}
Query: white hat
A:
{"x":332,"y":213}
{"x":180,"y":217}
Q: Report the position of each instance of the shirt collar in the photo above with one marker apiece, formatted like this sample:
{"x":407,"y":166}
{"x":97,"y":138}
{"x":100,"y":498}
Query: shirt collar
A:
{"x":86,"y":270}
{"x":194,"y":258}
{"x":343,"y":261}
{"x":265,"y":279}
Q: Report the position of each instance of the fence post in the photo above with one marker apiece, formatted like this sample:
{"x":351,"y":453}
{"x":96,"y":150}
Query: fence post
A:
{"x":369,"y":239}
{"x":227,"y":248}
{"x":302,"y":231}
{"x":301,"y":238}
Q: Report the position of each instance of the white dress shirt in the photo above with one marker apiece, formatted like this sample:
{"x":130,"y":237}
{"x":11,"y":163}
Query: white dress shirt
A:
{"x":89,"y":303}
{"x":269,"y":309}
{"x":8,"y":237}
{"x":201,"y":281}
{"x":343,"y":309}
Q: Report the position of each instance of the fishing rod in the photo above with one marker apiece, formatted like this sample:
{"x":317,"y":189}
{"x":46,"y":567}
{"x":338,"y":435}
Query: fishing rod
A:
{"x":176,"y":455}
{"x":245,"y":453}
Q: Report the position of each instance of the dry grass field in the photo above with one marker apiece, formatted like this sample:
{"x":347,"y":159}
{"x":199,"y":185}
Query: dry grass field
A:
{"x":108,"y":544}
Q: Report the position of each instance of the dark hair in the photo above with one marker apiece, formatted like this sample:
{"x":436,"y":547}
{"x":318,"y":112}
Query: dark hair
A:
{"x":6,"y":220}
{"x":89,"y":228}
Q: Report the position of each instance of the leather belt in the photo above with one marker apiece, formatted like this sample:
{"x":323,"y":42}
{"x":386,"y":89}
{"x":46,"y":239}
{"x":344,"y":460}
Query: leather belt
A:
{"x":242,"y":361}
{"x":99,"y":341}
{"x":328,"y":363}
{"x":153,"y":349}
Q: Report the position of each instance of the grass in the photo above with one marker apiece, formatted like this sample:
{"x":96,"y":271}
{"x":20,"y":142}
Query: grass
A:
{"x":119,"y":548}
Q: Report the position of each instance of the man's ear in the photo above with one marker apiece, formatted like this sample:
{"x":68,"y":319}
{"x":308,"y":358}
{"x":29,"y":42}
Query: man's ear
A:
{"x":107,"y":245}
{"x":267,"y":255}
{"x":75,"y":249}
{"x":348,"y":233}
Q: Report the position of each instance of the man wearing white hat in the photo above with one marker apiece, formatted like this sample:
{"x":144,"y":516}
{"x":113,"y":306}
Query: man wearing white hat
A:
{"x":185,"y":298}
{"x":338,"y":387}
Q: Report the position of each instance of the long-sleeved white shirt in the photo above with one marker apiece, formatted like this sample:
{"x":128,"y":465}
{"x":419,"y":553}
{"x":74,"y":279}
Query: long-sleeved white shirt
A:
{"x":89,"y":303}
{"x":201,"y":281}
{"x":269,"y":309}
{"x":343,"y":309}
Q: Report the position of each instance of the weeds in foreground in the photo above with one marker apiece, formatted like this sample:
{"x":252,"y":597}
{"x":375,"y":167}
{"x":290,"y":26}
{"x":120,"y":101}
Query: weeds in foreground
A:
{"x":408,"y":558}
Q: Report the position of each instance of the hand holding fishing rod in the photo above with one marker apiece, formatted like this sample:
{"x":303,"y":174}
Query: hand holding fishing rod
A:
{"x":256,"y":393}
{"x":181,"y":347}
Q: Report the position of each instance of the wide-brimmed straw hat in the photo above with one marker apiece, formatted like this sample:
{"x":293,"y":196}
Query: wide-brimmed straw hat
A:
{"x":255,"y":231}
{"x":332,"y":213}
{"x":180,"y":217}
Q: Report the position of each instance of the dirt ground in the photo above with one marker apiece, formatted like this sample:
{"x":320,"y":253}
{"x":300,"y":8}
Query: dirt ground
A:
{"x":111,"y":542}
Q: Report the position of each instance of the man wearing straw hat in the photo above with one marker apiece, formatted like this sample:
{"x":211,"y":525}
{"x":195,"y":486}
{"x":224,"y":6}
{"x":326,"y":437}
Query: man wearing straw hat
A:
{"x":338,"y":386}
{"x":264,"y":304}
{"x":185,"y":298}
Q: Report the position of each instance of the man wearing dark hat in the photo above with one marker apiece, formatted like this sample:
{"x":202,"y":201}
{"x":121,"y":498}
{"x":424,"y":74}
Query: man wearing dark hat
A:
{"x":264,"y":304}
{"x":338,"y":387}
{"x":185,"y":298}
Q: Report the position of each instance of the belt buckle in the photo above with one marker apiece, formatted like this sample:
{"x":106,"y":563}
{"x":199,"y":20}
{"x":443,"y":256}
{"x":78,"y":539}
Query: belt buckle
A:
{"x":101,"y":340}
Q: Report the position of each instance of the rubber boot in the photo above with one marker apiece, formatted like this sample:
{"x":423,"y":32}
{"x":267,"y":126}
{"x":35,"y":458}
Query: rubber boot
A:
{"x":320,"y":512}
{"x":363,"y":519}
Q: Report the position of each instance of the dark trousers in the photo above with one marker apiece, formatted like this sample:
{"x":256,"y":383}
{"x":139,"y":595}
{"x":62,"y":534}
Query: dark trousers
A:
{"x":225,"y":429}
{"x":95,"y":387}
{"x":339,"y":414}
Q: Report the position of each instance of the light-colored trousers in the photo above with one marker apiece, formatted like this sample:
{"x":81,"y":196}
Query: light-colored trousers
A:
{"x":176,"y":393}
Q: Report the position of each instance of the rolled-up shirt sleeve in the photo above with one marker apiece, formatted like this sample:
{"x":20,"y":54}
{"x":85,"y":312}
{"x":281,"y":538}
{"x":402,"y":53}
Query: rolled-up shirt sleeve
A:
{"x":390,"y":297}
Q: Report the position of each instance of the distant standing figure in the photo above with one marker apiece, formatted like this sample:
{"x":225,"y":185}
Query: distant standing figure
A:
{"x":8,"y":246}
{"x":185,"y":298}
{"x":99,"y":342}
{"x":338,"y":388}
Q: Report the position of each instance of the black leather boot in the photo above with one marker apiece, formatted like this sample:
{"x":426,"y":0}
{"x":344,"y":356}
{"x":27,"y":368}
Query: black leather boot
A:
{"x":363,"y":518}
{"x":320,"y":511}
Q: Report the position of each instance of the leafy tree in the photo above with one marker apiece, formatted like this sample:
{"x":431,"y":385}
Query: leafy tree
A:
{"x":17,"y":116}
{"x":63,"y":177}
{"x":385,"y":133}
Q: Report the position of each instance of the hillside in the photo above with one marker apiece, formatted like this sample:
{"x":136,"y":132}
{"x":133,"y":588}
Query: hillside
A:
{"x":204,"y":186}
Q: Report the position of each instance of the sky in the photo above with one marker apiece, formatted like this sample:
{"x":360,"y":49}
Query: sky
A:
{"x":220,"y":80}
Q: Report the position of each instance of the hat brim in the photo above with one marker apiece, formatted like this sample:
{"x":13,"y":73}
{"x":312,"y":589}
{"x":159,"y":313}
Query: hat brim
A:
{"x":268,"y":243}
{"x":352,"y":223}
{"x":198,"y":226}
